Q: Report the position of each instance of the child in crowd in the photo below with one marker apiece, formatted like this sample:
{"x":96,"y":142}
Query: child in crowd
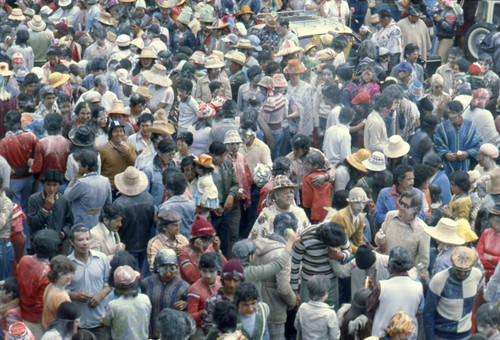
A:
{"x":315,"y":198}
{"x":460,"y":205}
{"x":315,"y":319}
{"x":226,"y":321}
{"x":205,"y":194}
{"x":10,"y":311}
{"x":188,"y":106}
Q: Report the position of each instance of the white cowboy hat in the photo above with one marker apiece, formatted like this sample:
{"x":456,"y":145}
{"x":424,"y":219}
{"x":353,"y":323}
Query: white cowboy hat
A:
{"x":131,"y":182}
{"x":396,"y":147}
{"x":445,"y":232}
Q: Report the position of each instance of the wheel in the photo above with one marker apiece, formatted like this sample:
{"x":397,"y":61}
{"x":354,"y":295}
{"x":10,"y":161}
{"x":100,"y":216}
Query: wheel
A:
{"x":474,"y":37}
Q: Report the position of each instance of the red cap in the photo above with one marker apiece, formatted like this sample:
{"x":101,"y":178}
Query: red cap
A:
{"x":475,"y":69}
{"x":361,"y":98}
{"x":201,"y":227}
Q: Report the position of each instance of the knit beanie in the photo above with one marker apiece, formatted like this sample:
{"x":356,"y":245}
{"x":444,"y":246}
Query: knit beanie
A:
{"x":475,"y":69}
{"x":364,"y":257}
{"x":233,"y":269}
{"x":201,"y":227}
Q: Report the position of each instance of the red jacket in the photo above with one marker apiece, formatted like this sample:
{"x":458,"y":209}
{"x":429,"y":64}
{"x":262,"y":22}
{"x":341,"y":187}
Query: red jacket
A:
{"x":51,"y":153}
{"x":196,"y":297}
{"x":316,"y":198}
{"x":32,"y":276}
{"x":489,"y":243}
{"x":188,"y":265}
{"x":17,"y":149}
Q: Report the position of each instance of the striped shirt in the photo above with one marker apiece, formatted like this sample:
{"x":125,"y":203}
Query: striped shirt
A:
{"x":312,"y":254}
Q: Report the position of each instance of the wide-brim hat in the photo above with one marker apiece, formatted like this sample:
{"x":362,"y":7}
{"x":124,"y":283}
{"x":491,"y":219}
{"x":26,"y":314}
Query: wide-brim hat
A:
{"x":279,"y":80}
{"x":396,"y":147}
{"x":37,"y":24}
{"x":144,"y":91}
{"x":157,"y":75}
{"x":238,"y":58}
{"x":357,"y":195}
{"x":271,"y":19}
{"x":356,"y":159}
{"x":138,"y":42}
{"x":213,"y":61}
{"x":232,"y":136}
{"x":118,"y":108}
{"x":295,"y":66}
{"x":231,"y":38}
{"x":255,"y":42}
{"x":205,"y":161}
{"x":288,"y":47}
{"x":463,"y":257}
{"x":206,"y":14}
{"x":161,"y":127}
{"x":64,"y":3}
{"x":57,"y":79}
{"x":82,"y":136}
{"x":244,"y":10}
{"x":29,"y":12}
{"x":147,"y":53}
{"x":124,"y":77}
{"x":105,"y":19}
{"x":327,"y":54}
{"x":445,"y":232}
{"x":17,"y":14}
{"x":218,"y":25}
{"x":282,"y":182}
{"x":493,"y":185}
{"x":123,"y":40}
{"x":185,"y":16}
{"x":309,"y":46}
{"x":244,"y":44}
{"x":166,"y":4}
{"x":131,"y":182}
{"x":376,"y":162}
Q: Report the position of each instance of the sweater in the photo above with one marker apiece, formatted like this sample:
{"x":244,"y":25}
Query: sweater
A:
{"x":113,"y":162}
{"x":315,"y":198}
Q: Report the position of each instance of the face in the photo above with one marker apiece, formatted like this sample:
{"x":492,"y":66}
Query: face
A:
{"x":309,"y":167}
{"x":208,"y":276}
{"x":327,"y":76}
{"x":84,"y":115}
{"x":53,"y":60}
{"x":214,"y":73}
{"x":190,"y":172}
{"x":217,"y":160}
{"x":485,"y":329}
{"x":29,"y":88}
{"x":113,"y":225}
{"x":5,"y":297}
{"x":167,"y":272}
{"x":233,"y":147}
{"x":81,"y":242}
{"x":65,"y":108}
{"x":285,"y":197}
{"x":406,"y":212}
{"x":413,"y":18}
{"x":407,"y":182}
{"x":102,"y":120}
{"x":456,"y":69}
{"x":412,"y":58}
{"x":437,"y":90}
{"x":117,"y":117}
{"x":247,"y":308}
{"x":495,"y":223}
{"x":166,"y":157}
{"x":233,"y":67}
{"x":486,"y":66}
{"x":140,"y":12}
{"x":401,"y":337}
{"x":294,"y":77}
{"x":182,"y":147}
{"x":117,"y":135}
{"x":50,"y":188}
{"x":146,"y":62}
{"x":298,"y":152}
{"x":396,"y":103}
{"x":245,"y":17}
{"x":183,"y":95}
{"x":451,"y":59}
{"x":367,"y":76}
{"x":50,"y":100}
{"x":64,"y":279}
{"x":357,"y":207}
{"x":281,"y":29}
{"x":384,"y":22}
{"x":144,"y":125}
{"x":230,"y":286}
{"x":454,"y":117}
{"x":401,"y":75}
{"x":461,"y":274}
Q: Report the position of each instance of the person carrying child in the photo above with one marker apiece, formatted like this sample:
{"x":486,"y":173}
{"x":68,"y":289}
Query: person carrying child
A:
{"x":205,"y":193}
{"x":314,"y":198}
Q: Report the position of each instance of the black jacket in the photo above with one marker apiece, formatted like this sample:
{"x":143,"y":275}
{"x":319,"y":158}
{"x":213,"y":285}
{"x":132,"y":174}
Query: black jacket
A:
{"x":59,"y":218}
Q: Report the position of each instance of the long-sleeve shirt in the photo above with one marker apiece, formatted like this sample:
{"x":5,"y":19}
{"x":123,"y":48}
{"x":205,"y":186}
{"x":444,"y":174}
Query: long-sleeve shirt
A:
{"x":51,"y":152}
{"x":388,"y":199}
{"x":196,"y":297}
{"x":6,"y":209}
{"x":317,"y":321}
{"x":17,"y":148}
{"x":337,"y":143}
{"x":489,"y":243}
{"x":32,"y":276}
{"x":316,"y":198}
{"x":114,"y":162}
{"x":58,"y":218}
{"x":375,"y":132}
{"x":74,"y":15}
{"x":187,"y":114}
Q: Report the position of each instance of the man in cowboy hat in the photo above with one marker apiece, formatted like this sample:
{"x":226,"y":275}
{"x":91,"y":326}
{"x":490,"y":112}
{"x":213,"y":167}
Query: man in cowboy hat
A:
{"x":139,"y":210}
{"x":268,"y":36}
{"x":237,"y":78}
{"x":40,"y":39}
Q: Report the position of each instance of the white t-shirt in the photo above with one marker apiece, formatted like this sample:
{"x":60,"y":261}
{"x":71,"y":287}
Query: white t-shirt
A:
{"x":165,"y":95}
{"x":336,"y":12}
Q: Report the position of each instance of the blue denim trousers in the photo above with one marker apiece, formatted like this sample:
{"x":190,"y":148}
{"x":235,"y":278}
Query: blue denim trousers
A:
{"x":278,"y":140}
{"x":6,"y":258}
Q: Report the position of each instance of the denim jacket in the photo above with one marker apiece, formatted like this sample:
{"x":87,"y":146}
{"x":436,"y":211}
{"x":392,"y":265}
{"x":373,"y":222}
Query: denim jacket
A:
{"x":155,"y":179}
{"x":87,"y":196}
{"x":186,"y":208}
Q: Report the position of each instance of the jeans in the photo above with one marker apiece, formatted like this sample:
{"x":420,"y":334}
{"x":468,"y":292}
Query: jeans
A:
{"x":286,"y":148}
{"x":6,"y":258}
{"x":278,"y":140}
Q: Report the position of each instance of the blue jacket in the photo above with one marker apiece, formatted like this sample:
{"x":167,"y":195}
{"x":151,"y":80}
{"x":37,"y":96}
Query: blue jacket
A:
{"x":155,"y":179}
{"x":444,"y":182}
{"x":386,"y":202}
{"x":186,"y":208}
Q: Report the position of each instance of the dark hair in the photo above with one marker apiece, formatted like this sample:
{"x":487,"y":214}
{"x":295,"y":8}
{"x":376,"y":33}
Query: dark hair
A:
{"x":175,"y":181}
{"x":394,"y":91}
{"x":131,"y":290}
{"x":175,"y":325}
{"x":487,"y":315}
{"x":301,"y":142}
{"x":111,"y":211}
{"x":425,"y":145}
{"x":67,"y":313}
{"x":126,"y":64}
{"x":248,"y":124}
{"x":210,"y":261}
{"x":382,"y":101}
{"x":30,"y":78}
{"x":318,"y":286}
{"x":225,"y":316}
{"x":22,"y":37}
{"x":456,"y":51}
{"x":53,"y":123}
{"x":99,"y":64}
{"x":331,"y":234}
{"x":410,"y":48}
{"x":167,"y":145}
{"x":137,"y":99}
{"x":229,"y":109}
{"x":339,"y":42}
{"x":185,"y":84}
{"x":463,"y":64}
{"x":272,"y":67}
{"x":346,"y":115}
{"x":281,"y":166}
{"x":415,"y":199}
{"x":52,"y":175}
{"x":24,"y":99}
{"x":246,"y":291}
{"x":422,"y":173}
{"x":283,"y":221}
{"x":461,"y":180}
{"x":87,"y":158}
{"x":435,"y":192}
{"x":66,"y":51}
{"x":429,"y":123}
{"x":399,"y":260}
{"x":60,"y":264}
{"x":53,"y":50}
{"x":78,"y":228}
{"x":186,"y":137}
{"x":344,"y":73}
{"x":340,"y":199}
{"x":217,"y":148}
{"x":455,"y":106}
{"x":145,"y":117}
{"x":11,"y":285}
{"x":316,"y":158}
{"x":384,"y":14}
{"x":121,"y":258}
{"x":62,"y":98}
{"x":46,"y":243}
{"x":400,"y":173}
{"x":254,"y":71}
{"x":13,"y":120}
{"x":188,"y":160}
{"x":214,"y":86}
{"x":333,"y":93}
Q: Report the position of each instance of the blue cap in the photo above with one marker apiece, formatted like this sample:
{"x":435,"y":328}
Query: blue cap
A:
{"x":404,"y":66}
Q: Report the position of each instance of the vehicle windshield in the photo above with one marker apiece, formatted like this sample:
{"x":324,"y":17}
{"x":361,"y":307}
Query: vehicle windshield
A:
{"x":482,"y":11}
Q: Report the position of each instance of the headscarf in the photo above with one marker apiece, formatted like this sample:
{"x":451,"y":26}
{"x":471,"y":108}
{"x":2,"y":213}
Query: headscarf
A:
{"x":4,"y":94}
{"x":400,"y":323}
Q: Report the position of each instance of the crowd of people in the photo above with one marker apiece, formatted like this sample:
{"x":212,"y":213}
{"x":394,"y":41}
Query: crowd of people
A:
{"x":193,"y":170}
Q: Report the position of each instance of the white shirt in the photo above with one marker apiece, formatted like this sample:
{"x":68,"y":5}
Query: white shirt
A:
{"x":333,"y":117}
{"x":164,"y":95}
{"x":484,"y":123}
{"x":332,"y":11}
{"x":337,"y":143}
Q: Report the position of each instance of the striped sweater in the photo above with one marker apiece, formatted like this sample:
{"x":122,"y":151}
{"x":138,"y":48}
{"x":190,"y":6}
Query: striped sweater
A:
{"x":310,"y":257}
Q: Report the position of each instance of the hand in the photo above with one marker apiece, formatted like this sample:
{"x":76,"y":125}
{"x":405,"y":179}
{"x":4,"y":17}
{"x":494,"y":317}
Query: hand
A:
{"x":241,"y":337}
{"x":202,"y":313}
{"x":487,"y":257}
{"x":120,"y":247}
{"x":50,"y":200}
{"x":95,"y":300}
{"x":180,"y":305}
{"x":216,"y":244}
{"x":265,"y":46}
{"x":298,"y":297}
{"x":450,"y":156}
{"x":335,"y":253}
{"x":29,"y":162}
{"x":122,"y":147}
{"x":461,"y":155}
{"x":437,"y":18}
{"x":318,"y":180}
{"x":81,"y":297}
{"x":178,"y":249}
{"x":198,"y":243}
{"x":424,"y":275}
{"x":445,"y":211}
{"x":352,"y":10}
{"x":228,"y":205}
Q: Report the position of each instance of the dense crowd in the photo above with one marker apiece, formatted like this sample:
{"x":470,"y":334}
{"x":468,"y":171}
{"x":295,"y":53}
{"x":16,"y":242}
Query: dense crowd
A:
{"x":201,"y":170}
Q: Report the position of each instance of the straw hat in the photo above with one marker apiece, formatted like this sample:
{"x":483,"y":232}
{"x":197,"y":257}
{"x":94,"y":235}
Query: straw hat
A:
{"x":161,"y":127}
{"x":232,"y":136}
{"x":138,"y":42}
{"x":17,"y":15}
{"x":279,"y":80}
{"x":271,"y":19}
{"x":244,"y":10}
{"x":82,"y":136}
{"x":105,"y":19}
{"x":213,"y":61}
{"x":282,"y":182}
{"x":231,"y":38}
{"x":218,"y":25}
{"x":123,"y":76}
{"x":356,"y":159}
{"x":244,"y":44}
{"x":157,"y":75}
{"x":266,"y":82}
{"x":464,"y":230}
{"x":4,"y":70}
{"x":493,"y":186}
{"x":207,"y":14}
{"x":64,"y":3}
{"x":218,"y":54}
{"x":238,"y":58}
{"x":308,"y":47}
{"x":295,"y":66}
{"x":147,"y":53}
{"x":37,"y":24}
{"x":185,"y":16}
{"x":327,"y":54}
{"x":165,"y":4}
{"x":396,"y":147}
{"x":357,"y":195}
{"x":118,"y":108}
{"x":205,"y":111}
{"x":205,"y":161}
{"x":131,"y":182}
{"x":463,"y":257}
{"x":288,"y":47}
{"x":445,"y":232}
{"x":29,"y":12}
{"x":57,"y":79}
{"x":123,"y":40}
{"x":376,"y":162}
{"x":144,"y":91}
